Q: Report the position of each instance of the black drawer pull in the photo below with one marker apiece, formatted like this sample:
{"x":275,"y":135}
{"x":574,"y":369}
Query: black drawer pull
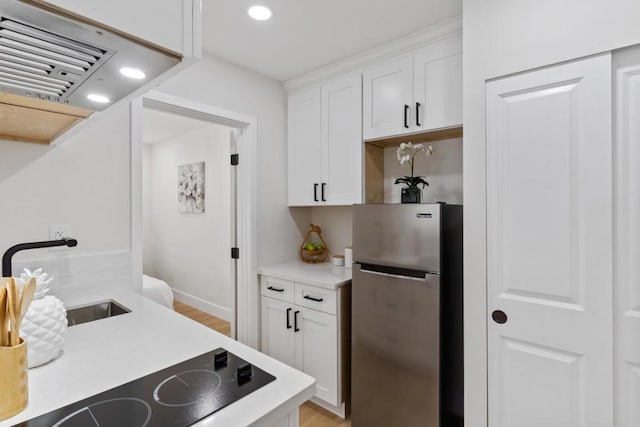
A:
{"x":288,"y":320}
{"x":406,"y":116}
{"x":295,"y":322}
{"x":313,"y":299}
{"x":324,"y":184}
{"x":418,"y":105}
{"x":271,"y":288}
{"x":315,"y":192}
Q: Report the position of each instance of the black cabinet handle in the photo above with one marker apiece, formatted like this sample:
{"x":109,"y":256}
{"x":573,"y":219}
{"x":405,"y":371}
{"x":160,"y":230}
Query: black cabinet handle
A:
{"x":499,"y":316}
{"x":322,"y":191}
{"x":418,"y":105}
{"x":271,"y":288}
{"x":288,"y":320}
{"x":313,"y":299}
{"x":406,"y":116}
{"x":315,"y":192}
{"x":295,"y":321}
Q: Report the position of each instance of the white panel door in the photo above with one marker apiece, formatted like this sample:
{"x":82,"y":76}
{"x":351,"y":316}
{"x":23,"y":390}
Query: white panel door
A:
{"x":316,"y":350}
{"x":387,"y":99}
{"x":277,"y":330}
{"x":342,"y":140}
{"x":438,"y":88}
{"x":627,"y":239}
{"x":549,"y":243}
{"x":304,"y":148}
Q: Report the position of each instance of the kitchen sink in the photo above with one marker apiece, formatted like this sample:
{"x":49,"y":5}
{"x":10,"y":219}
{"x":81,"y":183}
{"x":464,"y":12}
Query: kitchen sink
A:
{"x":95,"y":311}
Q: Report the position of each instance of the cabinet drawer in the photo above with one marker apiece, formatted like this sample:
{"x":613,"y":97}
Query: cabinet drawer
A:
{"x":277,"y":288}
{"x":320,"y":299}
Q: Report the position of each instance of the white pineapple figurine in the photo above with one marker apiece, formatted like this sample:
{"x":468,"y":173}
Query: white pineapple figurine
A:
{"x":45,"y":325}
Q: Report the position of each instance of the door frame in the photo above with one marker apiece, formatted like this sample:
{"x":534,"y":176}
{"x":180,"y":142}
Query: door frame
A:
{"x":245,"y":312}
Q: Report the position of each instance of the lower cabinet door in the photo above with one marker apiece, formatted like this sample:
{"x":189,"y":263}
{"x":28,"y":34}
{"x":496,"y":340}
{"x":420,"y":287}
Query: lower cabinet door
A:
{"x":277,"y":330}
{"x":316,"y":351}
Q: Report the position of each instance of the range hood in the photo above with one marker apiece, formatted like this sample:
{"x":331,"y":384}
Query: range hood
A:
{"x":54,"y":62}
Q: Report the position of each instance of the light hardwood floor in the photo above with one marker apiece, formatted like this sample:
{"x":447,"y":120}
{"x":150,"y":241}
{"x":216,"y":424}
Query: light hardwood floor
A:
{"x":311,"y":415}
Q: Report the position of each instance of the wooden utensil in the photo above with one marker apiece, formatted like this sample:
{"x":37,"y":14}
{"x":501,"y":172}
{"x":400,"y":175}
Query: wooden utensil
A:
{"x":25,"y":300}
{"x":4,"y":331}
{"x":12,"y":293}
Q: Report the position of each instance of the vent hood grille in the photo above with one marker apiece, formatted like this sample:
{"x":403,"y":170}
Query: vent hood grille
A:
{"x":42,"y":64}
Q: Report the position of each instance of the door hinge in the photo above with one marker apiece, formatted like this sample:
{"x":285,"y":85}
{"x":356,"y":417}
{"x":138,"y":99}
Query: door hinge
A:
{"x":235,"y":253}
{"x":235,"y":159}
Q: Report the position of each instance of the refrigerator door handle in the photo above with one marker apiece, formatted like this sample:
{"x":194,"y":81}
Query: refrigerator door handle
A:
{"x":397,"y":276}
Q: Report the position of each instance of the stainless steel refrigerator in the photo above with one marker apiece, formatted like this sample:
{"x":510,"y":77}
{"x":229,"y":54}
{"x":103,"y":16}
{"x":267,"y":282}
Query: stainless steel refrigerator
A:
{"x":407,"y":360}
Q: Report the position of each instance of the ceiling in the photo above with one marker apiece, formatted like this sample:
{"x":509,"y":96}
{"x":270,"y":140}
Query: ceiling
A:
{"x":304,"y":35}
{"x":158,"y":126}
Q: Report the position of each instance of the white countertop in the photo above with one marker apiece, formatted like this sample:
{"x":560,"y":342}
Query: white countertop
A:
{"x":106,"y":353}
{"x":324,"y":275}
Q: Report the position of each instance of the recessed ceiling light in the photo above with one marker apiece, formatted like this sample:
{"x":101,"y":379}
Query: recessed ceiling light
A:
{"x":100,"y":99}
{"x":132,"y":73}
{"x":259,"y":13}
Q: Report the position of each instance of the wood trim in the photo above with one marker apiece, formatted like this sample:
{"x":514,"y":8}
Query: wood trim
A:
{"x":42,"y":4}
{"x":42,"y":105}
{"x":431,"y":136}
{"x":374,"y":173}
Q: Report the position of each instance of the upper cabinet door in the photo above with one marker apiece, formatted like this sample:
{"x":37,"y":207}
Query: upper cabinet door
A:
{"x":388,"y":99}
{"x":438,"y":88}
{"x":549,"y":247}
{"x":342,"y":140}
{"x":304,"y":148}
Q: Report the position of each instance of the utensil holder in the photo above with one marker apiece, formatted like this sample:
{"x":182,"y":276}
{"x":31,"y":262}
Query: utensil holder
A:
{"x":14,"y":385}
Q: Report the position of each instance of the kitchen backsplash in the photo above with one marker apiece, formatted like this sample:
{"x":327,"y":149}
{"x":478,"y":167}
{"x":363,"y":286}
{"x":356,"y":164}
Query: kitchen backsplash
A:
{"x":336,"y":224}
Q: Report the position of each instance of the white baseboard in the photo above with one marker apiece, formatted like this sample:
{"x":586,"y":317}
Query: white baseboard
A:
{"x":340,"y":411}
{"x":203,"y":305}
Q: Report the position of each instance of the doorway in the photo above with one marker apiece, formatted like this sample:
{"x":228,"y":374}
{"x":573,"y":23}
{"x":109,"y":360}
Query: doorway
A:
{"x":243,"y":215}
{"x":187,"y":210}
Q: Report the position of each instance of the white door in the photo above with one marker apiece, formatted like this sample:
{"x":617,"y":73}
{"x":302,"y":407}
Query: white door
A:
{"x":549,"y":237}
{"x":438,"y":87}
{"x":387,"y":99}
{"x":316,"y":350}
{"x":304,"y":148}
{"x":627,"y":239}
{"x":277,"y":330}
{"x":342,"y":140}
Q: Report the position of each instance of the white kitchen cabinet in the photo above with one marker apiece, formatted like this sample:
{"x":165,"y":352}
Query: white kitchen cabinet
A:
{"x":316,"y":350}
{"x":304,"y":148}
{"x":437,"y":88}
{"x":549,"y":247}
{"x":419,"y":92}
{"x":387,"y":98}
{"x":168,"y":24}
{"x":310,"y":332}
{"x":325,"y":143}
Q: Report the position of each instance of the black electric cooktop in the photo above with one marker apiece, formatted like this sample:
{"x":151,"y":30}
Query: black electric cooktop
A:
{"x":177,"y":396}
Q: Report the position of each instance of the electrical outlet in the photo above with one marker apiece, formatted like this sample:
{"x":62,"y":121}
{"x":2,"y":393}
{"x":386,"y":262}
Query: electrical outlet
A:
{"x":57,"y":232}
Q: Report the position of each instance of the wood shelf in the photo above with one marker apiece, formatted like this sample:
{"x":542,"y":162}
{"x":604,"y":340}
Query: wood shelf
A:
{"x":374,"y":158}
{"x":34,"y":120}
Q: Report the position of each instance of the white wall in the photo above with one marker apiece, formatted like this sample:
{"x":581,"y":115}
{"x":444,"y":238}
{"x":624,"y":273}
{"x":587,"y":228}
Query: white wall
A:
{"x":191,"y":251}
{"x":83,"y":183}
{"x":147,"y":187}
{"x":216,"y":82}
{"x":442,"y":170}
{"x":337,"y":226}
{"x":502,"y":37}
